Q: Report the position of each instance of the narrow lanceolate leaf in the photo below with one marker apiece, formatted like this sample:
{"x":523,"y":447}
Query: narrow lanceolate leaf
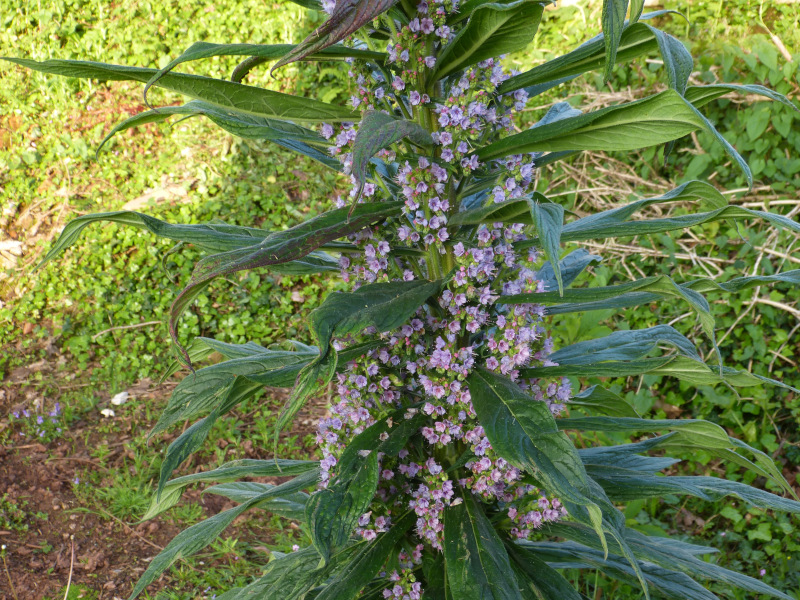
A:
{"x":623,"y":485}
{"x":692,"y":431}
{"x":365,"y":565}
{"x":677,"y":60}
{"x":525,"y":434}
{"x":700,"y":95}
{"x":493,"y":29}
{"x":668,"y":583}
{"x":234,"y":122}
{"x":548,"y":219}
{"x":475,"y":561}
{"x":613,"y":23}
{"x":377,"y":131}
{"x":201,"y":50}
{"x":332,"y":513}
{"x":231,"y":471}
{"x":347,"y":17}
{"x":280,"y":247}
{"x":637,"y":40}
{"x":197,"y":537}
{"x":639,"y":124}
{"x":669,"y":554}
{"x":217,"y":92}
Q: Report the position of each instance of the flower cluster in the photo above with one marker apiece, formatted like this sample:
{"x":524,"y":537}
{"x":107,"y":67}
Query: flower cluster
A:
{"x":420,"y":370}
{"x":43,"y":427}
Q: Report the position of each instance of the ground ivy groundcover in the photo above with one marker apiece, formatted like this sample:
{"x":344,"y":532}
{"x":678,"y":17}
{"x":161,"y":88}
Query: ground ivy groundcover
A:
{"x":448,"y":469}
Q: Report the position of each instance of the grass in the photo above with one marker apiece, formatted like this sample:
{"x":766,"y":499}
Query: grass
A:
{"x":74,"y":316}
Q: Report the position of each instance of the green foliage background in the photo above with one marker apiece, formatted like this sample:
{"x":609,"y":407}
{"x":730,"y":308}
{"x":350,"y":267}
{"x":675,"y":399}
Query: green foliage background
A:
{"x":49,"y":129}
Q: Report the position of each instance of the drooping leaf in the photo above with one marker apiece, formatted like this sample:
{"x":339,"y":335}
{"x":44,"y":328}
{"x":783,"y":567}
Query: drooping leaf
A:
{"x":572,"y":265}
{"x":700,"y":95}
{"x":568,"y":555}
{"x":377,"y":131}
{"x":216,"y":92}
{"x":347,"y":17}
{"x":548,"y":220}
{"x":493,"y":29}
{"x":677,"y":59}
{"x":613,"y":18}
{"x":639,"y":124}
{"x":476,"y":563}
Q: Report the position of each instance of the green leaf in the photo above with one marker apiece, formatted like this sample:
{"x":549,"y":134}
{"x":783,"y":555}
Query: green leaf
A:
{"x":201,"y":50}
{"x":214,"y":237}
{"x":677,"y":60}
{"x":629,"y":344}
{"x":636,"y":40}
{"x":475,"y":561}
{"x":332,"y":513}
{"x":198,"y":536}
{"x":700,"y":95}
{"x":290,"y":506}
{"x":377,"y":131}
{"x":384,"y":306}
{"x":347,"y":17}
{"x":570,"y":555}
{"x":356,"y":574}
{"x":596,"y":399}
{"x":571,"y":266}
{"x":493,"y":29}
{"x":623,"y":485}
{"x":537,"y":576}
{"x":547,"y":221}
{"x":288,"y":577}
{"x":669,"y":554}
{"x":230,"y":471}
{"x":613,"y":23}
{"x":525,"y":434}
{"x":206,"y":389}
{"x":278,"y":248}
{"x":693,"y":431}
{"x":647,"y":122}
{"x":216,"y":92}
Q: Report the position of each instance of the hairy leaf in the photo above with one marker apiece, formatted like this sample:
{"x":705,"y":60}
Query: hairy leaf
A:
{"x":217,"y":92}
{"x":548,"y":220}
{"x":596,"y":399}
{"x":613,"y":23}
{"x":630,"y":126}
{"x":290,"y":506}
{"x":475,"y":561}
{"x":493,"y":29}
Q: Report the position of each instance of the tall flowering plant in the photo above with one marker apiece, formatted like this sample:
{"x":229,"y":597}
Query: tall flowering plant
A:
{"x":446,"y":468}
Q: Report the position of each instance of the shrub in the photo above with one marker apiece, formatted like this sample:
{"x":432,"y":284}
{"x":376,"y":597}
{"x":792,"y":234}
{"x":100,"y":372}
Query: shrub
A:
{"x":446,"y":468}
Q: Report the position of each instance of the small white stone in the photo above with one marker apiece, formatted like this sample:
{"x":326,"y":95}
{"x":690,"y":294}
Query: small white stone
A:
{"x":120,"y":399}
